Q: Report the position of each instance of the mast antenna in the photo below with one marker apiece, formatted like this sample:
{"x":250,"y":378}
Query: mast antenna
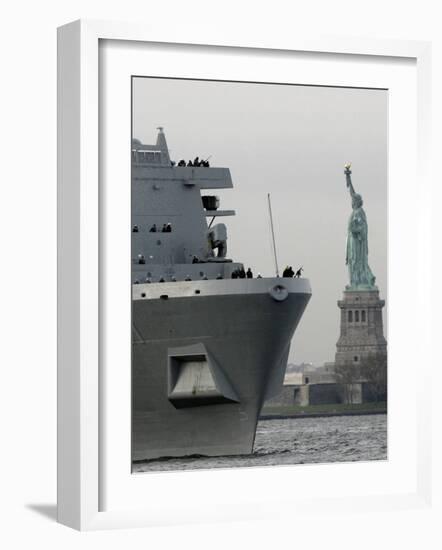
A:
{"x":273,"y":234}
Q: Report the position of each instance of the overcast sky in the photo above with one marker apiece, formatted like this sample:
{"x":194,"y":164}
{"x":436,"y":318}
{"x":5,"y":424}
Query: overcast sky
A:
{"x":291,"y":142}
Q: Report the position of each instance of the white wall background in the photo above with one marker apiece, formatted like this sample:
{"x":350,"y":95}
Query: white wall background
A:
{"x":28,"y":276}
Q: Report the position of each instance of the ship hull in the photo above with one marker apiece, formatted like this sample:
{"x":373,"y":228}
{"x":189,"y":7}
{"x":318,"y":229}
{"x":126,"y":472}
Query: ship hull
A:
{"x":244,"y":336}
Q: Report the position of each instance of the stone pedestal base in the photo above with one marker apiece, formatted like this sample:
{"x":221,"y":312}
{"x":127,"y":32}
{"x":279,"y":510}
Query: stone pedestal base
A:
{"x":362,"y":331}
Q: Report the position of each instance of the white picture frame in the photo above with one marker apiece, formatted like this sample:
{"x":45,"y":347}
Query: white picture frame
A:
{"x":81,"y":445}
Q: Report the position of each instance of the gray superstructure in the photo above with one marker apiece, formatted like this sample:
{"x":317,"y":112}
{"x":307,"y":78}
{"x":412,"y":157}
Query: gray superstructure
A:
{"x":208,"y":349}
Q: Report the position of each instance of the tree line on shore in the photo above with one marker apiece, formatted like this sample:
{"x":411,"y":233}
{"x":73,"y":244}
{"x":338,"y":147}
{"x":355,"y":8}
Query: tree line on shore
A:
{"x":371,"y":369}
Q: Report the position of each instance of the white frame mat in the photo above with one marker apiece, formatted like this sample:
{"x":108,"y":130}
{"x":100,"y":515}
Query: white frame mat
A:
{"x":95,"y":487}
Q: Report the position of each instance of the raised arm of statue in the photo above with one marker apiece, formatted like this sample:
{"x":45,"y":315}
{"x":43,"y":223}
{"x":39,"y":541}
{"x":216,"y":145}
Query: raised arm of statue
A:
{"x":347,"y":173}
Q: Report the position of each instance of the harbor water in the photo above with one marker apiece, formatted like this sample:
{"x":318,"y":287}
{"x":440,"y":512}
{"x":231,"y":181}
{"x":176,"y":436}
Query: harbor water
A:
{"x":297,"y":441}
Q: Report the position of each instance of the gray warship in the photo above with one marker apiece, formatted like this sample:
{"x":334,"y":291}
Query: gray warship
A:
{"x":207,"y":349}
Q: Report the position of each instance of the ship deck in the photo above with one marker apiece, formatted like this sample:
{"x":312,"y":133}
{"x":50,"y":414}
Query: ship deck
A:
{"x":213,"y":287}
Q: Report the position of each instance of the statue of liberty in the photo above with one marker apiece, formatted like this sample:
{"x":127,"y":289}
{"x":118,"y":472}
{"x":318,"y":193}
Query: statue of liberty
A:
{"x":359,"y":271}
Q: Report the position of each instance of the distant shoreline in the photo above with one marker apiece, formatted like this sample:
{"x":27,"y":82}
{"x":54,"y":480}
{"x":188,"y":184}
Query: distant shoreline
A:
{"x":274,"y":412}
{"x":319,"y":414}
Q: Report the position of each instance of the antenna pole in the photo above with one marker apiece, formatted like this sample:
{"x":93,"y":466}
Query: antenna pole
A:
{"x":273,"y":234}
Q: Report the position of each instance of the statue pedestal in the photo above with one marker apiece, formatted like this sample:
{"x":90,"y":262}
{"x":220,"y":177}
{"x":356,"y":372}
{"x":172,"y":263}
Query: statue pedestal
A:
{"x":362,"y":331}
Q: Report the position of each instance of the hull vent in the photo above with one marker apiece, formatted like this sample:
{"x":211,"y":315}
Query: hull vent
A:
{"x":195,"y":380}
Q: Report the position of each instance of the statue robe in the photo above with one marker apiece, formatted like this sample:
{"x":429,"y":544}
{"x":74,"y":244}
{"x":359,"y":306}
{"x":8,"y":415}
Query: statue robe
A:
{"x":357,"y":250}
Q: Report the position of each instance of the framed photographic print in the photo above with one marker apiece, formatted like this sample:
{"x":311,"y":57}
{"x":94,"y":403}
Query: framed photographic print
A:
{"x":212,"y":335}
{"x":232,"y":255}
